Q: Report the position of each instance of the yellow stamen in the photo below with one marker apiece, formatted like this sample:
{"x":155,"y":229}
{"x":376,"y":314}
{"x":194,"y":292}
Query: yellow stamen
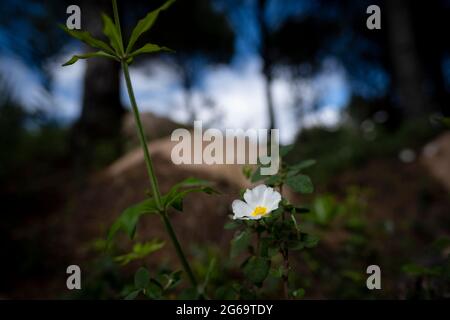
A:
{"x":259,"y":211}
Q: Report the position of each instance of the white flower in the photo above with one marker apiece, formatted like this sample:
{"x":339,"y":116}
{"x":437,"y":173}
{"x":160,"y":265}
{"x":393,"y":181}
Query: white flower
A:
{"x":259,"y":202}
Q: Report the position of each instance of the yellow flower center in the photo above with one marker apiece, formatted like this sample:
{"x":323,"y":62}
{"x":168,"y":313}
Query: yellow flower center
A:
{"x":259,"y":211}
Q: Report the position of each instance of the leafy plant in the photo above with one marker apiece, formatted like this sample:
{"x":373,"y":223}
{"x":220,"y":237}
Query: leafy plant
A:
{"x":267,"y":235}
{"x":157,"y":203}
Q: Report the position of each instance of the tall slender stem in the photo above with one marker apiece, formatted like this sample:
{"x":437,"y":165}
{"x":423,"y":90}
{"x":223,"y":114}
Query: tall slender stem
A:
{"x":142,"y":139}
{"x":284,"y":250}
{"x":285,"y":277}
{"x":149,"y":165}
{"x":177,"y":246}
{"x":153,"y":180}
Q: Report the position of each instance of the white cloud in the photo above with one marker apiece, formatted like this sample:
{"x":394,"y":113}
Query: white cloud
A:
{"x":67,"y":87}
{"x":24,"y":84}
{"x":238,"y":93}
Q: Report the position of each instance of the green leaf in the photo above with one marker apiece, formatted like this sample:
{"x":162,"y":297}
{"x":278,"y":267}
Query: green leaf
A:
{"x":128,"y":219}
{"x":284,"y":150}
{"x":149,"y":48}
{"x":273,"y":180}
{"x":176,"y":201}
{"x":446,"y":122}
{"x":231,"y":225}
{"x":192,"y":182}
{"x":264,"y":247}
{"x":299,"y":293}
{"x":140,"y":250}
{"x":189,"y":182}
{"x":256,"y":269}
{"x":75,"y":58}
{"x":294,"y":221}
{"x":300,"y":210}
{"x":132,"y":295}
{"x":86,"y":37}
{"x":300,"y":183}
{"x":247,"y":171}
{"x":141,"y":278}
{"x":418,"y":270}
{"x":441,"y":243}
{"x":310,"y":240}
{"x":110,"y":30}
{"x":305,"y":241}
{"x":225,"y":292}
{"x":211,"y":266}
{"x":256,"y":176}
{"x":325,"y":209}
{"x":154,"y":289}
{"x":174,"y":198}
{"x":296,"y":168}
{"x":172,"y":280}
{"x":240,"y":243}
{"x":145,"y":24}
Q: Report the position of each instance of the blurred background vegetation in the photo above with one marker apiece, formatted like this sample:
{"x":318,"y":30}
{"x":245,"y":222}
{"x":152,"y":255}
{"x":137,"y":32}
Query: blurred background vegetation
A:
{"x":371,"y":106}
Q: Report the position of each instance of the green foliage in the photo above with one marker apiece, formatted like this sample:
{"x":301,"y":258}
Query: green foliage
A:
{"x":115,"y":48}
{"x":140,"y":250}
{"x":128,"y":220}
{"x":86,"y":37}
{"x":240,"y":243}
{"x":431,"y":280}
{"x":256,"y":269}
{"x":75,"y":58}
{"x":349,"y":147}
{"x":325,"y":208}
{"x":174,"y":198}
{"x":446,"y":122}
{"x":300,"y":183}
{"x":130,"y":217}
{"x":111,"y":31}
{"x":141,"y":278}
{"x":290,"y":175}
{"x":152,"y":287}
{"x":267,"y":240}
{"x":156,"y":287}
{"x":298,"y":293}
{"x":145,"y":24}
{"x":149,"y":48}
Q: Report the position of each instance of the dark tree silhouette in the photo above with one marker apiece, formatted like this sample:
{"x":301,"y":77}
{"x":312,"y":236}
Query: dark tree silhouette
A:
{"x":200,"y":35}
{"x":101,"y":113}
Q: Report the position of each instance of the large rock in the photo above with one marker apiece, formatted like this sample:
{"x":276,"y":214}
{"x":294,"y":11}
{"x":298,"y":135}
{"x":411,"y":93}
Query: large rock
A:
{"x":155,"y":127}
{"x":436,"y":158}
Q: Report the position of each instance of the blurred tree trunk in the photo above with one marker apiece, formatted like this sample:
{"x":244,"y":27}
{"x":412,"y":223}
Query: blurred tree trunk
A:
{"x":267,"y":62}
{"x":96,"y":134}
{"x":406,"y":63}
{"x":187,"y":85}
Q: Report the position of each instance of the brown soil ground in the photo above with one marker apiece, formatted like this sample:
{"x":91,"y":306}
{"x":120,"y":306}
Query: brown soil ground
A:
{"x":404,"y":195}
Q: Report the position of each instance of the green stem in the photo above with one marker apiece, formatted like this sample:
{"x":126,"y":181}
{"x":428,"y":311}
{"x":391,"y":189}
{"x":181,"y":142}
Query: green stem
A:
{"x":142,"y":139}
{"x":149,"y":165}
{"x":286,"y":267}
{"x":153,"y":180}
{"x":180,"y":253}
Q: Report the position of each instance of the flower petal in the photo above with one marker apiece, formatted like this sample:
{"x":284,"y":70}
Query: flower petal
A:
{"x":271,"y":199}
{"x":251,"y":217}
{"x":254,"y":197}
{"x":241,"y":209}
